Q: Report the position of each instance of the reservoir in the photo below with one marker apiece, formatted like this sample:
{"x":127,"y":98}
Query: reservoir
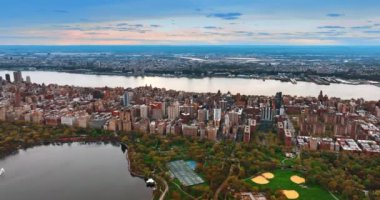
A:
{"x":234,"y":85}
{"x":70,"y":171}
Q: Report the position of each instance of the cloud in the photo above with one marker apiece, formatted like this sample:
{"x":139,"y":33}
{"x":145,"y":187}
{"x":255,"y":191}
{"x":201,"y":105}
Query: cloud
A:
{"x":122,"y":24}
{"x":244,"y":33}
{"x":213,"y":27}
{"x":263,"y":34}
{"x":372,"y":32}
{"x":136,"y":25}
{"x":330,"y":33}
{"x":361,"y":27}
{"x":217,"y":34}
{"x":331,"y":27}
{"x":96,"y":33}
{"x":335,"y":15}
{"x":122,"y":27}
{"x":155,"y":25}
{"x":226,"y":16}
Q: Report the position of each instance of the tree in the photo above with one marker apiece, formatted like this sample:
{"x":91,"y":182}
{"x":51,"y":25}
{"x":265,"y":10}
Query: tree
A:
{"x":332,"y":185}
{"x":176,"y":195}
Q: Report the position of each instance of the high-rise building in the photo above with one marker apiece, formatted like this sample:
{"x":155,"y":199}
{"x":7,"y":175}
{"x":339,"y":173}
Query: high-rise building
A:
{"x":227,"y":120}
{"x":202,"y":115}
{"x":217,"y":114}
{"x":18,"y":98}
{"x":17,"y":77}
{"x":234,"y":118}
{"x":144,"y":111}
{"x":266,"y":113}
{"x":8,"y":78}
{"x":278,"y":102}
{"x":126,"y":99}
{"x":211,"y":133}
{"x":28,"y":79}
{"x":223,"y":104}
{"x":172,"y":113}
{"x":156,"y":110}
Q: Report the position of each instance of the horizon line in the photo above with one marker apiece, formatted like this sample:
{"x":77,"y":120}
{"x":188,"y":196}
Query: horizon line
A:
{"x":178,"y":45}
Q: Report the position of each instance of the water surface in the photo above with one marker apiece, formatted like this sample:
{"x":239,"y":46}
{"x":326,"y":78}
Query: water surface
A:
{"x":70,"y":172}
{"x":234,"y":85}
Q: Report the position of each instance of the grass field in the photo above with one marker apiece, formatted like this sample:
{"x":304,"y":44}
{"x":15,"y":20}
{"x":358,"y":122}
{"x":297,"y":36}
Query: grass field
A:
{"x":281,"y":181}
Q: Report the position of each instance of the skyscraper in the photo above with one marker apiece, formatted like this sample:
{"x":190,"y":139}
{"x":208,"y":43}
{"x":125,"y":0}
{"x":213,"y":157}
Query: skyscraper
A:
{"x":17,"y":77}
{"x":18,"y":98}
{"x":28,"y":79}
{"x":278,"y":102}
{"x":173,"y":112}
{"x":144,"y":111}
{"x":202,"y":115}
{"x":217,"y":114}
{"x":266,"y":113}
{"x":8,"y":78}
{"x":126,"y":98}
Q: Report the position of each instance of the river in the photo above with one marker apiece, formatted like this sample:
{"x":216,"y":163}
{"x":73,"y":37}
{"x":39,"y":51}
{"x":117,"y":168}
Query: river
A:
{"x":75,"y":172}
{"x":234,"y":85}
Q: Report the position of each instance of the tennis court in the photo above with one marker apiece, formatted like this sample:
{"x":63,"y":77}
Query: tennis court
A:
{"x":181,"y":170}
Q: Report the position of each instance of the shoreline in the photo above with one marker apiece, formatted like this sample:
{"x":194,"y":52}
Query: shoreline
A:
{"x":243,"y":86}
{"x":86,"y":140}
{"x":315,"y":79}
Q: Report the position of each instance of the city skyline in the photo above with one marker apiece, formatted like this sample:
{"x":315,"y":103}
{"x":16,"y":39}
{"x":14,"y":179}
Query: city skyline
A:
{"x":289,"y":22}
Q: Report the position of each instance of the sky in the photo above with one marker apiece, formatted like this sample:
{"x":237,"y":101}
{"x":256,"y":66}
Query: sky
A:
{"x":190,"y":22}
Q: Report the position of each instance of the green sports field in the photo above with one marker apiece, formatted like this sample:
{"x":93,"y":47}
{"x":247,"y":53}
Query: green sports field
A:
{"x":281,"y":181}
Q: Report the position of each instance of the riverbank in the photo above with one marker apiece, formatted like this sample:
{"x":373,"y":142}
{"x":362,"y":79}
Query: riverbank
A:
{"x":317,"y":79}
{"x":23,"y":135}
{"x":235,"y":85}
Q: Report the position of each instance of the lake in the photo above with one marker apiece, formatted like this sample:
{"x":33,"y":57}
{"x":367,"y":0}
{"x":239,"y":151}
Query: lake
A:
{"x":234,"y":85}
{"x":71,"y":171}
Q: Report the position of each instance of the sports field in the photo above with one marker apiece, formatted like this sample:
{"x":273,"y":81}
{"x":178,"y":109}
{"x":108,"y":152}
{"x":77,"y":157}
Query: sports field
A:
{"x":184,"y":173}
{"x":282,"y":181}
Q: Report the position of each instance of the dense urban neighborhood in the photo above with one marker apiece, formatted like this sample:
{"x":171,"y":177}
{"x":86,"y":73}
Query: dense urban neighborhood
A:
{"x":208,"y":145}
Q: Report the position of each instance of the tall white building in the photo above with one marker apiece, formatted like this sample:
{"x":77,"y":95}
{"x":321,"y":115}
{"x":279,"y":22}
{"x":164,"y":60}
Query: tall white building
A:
{"x":227,"y":120}
{"x":144,"y":111}
{"x":217,"y":114}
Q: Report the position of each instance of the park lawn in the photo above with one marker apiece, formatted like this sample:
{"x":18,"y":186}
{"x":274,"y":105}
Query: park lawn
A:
{"x":282,"y":181}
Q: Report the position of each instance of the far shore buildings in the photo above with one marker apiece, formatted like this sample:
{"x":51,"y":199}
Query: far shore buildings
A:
{"x":309,"y":123}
